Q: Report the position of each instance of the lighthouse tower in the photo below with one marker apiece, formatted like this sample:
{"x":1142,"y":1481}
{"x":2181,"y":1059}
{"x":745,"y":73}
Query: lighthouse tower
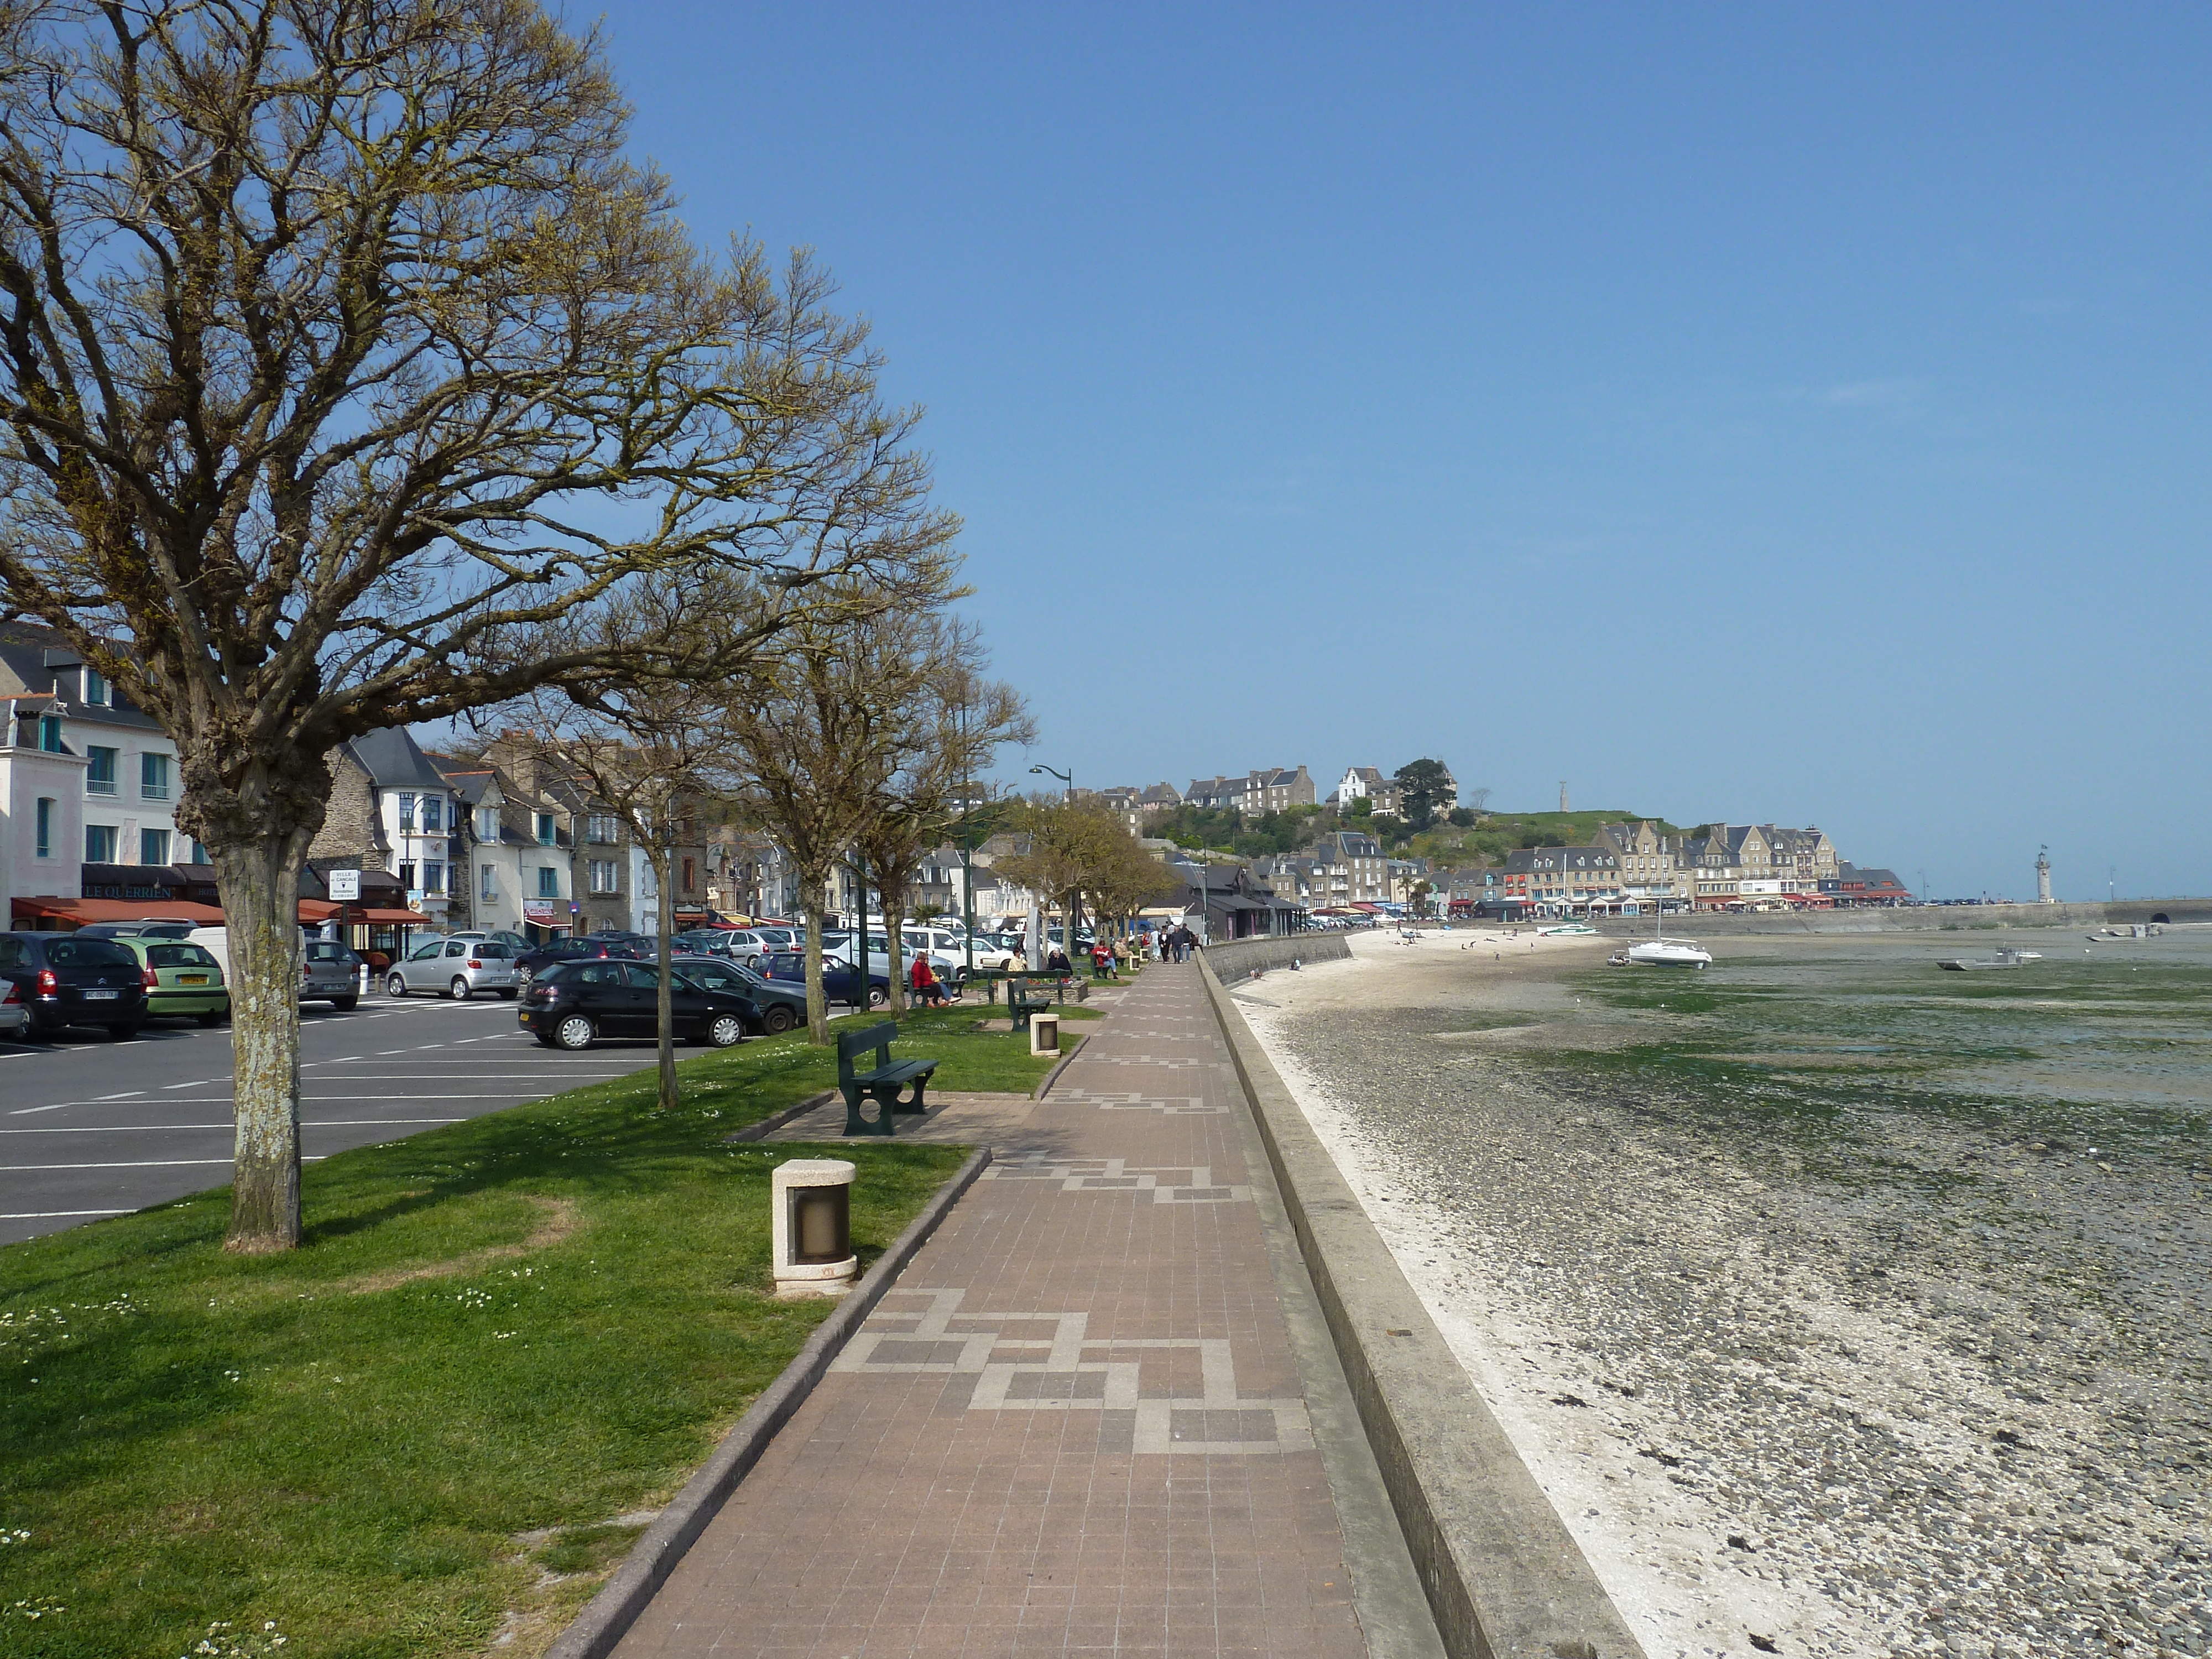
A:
{"x":2043,"y":877}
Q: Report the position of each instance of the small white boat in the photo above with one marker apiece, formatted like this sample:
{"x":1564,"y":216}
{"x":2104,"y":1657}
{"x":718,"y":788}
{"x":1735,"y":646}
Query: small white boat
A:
{"x":1566,"y":927}
{"x":2006,"y":957}
{"x":1670,"y":953}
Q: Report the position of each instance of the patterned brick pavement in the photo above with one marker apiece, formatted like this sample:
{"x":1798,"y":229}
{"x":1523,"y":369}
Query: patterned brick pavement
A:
{"x":1073,"y":1426}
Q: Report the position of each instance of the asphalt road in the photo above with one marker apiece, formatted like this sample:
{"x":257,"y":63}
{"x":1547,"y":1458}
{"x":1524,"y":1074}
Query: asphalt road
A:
{"x":90,"y":1127}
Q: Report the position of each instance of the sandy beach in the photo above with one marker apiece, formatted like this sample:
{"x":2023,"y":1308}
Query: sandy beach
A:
{"x":1836,"y":1382}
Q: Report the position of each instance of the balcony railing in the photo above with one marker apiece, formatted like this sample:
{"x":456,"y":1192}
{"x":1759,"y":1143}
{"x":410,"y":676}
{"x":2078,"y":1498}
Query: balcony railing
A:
{"x":99,"y":786}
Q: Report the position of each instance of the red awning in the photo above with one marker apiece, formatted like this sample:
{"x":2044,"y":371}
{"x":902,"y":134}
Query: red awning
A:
{"x":80,"y":911}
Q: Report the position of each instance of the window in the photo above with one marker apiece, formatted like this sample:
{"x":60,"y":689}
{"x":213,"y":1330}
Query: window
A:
{"x":434,"y":814}
{"x":487,"y":823}
{"x":199,"y":852}
{"x":691,"y":874}
{"x":50,"y":733}
{"x":100,"y":843}
{"x":95,"y":689}
{"x":490,"y":887}
{"x":601,"y":828}
{"x":154,"y":778}
{"x":407,"y":875}
{"x":430,"y":952}
{"x":545,"y":834}
{"x":434,"y":876}
{"x":549,"y":881}
{"x":99,"y":777}
{"x":46,"y":827}
{"x":153,"y":847}
{"x":606,"y":876}
{"x":407,"y":814}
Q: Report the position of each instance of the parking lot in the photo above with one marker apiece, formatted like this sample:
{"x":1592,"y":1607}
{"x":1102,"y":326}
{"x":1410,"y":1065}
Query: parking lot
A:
{"x":89,"y":1126}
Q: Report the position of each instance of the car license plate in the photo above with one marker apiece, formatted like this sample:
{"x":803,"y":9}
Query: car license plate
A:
{"x":522,"y":1017}
{"x":191,"y":979}
{"x":101,"y":996}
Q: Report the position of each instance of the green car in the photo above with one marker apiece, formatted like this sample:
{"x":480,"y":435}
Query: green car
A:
{"x":182,"y":980}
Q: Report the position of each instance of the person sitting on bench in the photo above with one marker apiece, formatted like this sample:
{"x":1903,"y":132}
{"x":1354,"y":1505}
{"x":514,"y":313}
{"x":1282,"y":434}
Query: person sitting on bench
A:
{"x":927,"y":988}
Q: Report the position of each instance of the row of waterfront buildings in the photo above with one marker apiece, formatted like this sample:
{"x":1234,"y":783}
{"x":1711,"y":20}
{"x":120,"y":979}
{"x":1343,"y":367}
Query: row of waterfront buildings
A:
{"x":1268,"y":789}
{"x":1627,"y":867}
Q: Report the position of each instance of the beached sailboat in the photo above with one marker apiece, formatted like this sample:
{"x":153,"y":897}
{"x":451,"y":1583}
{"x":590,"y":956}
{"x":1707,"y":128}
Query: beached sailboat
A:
{"x":1659,"y":952}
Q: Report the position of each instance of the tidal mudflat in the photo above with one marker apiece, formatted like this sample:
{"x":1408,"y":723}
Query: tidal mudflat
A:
{"x":1844,"y":1306}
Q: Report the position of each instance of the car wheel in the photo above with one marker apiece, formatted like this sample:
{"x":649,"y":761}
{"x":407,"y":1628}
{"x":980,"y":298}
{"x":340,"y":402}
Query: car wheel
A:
{"x":458,"y":990}
{"x":345,"y":1005}
{"x":574,"y":1033}
{"x":126,"y":1031}
{"x":395,"y":986}
{"x":214,"y":1016}
{"x":778,"y":1019}
{"x":726,"y":1031}
{"x":878,"y":997}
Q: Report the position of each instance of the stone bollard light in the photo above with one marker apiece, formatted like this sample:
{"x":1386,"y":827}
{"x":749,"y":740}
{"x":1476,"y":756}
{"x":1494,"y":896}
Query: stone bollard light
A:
{"x":813,"y":1224}
{"x":1044,"y":1034}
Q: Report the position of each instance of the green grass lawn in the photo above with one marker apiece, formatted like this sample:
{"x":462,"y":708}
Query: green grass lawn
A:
{"x":420,"y":1429}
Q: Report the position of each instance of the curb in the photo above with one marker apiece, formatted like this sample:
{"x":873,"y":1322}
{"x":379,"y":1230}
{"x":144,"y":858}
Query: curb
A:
{"x":1074,"y":1041}
{"x":609,"y":1615}
{"x":767,"y":1126}
{"x":1504,"y":1576}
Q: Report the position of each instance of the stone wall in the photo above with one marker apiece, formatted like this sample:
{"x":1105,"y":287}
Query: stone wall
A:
{"x":1244,"y":957}
{"x":349,"y":827}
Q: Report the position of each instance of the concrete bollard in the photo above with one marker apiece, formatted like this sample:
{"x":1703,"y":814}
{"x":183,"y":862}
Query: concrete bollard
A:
{"x":1044,"y":1034}
{"x":811,"y":1222}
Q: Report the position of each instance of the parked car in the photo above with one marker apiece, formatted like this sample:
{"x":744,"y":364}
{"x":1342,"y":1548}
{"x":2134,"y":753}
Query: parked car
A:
{"x":15,"y":1012}
{"x":750,"y":945}
{"x":781,"y":1004}
{"x":573,"y":1004}
{"x":840,"y":983}
{"x":66,"y":981}
{"x":330,"y":972}
{"x":991,"y":953}
{"x":136,"y":930}
{"x":456,"y":968}
{"x":182,"y":981}
{"x":513,"y":941}
{"x":536,"y":960}
{"x":950,"y":968}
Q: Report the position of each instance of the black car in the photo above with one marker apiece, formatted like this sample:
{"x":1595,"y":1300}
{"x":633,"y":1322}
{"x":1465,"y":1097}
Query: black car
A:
{"x":536,"y":960}
{"x":67,"y":980}
{"x":781,"y":1004}
{"x":573,"y":1004}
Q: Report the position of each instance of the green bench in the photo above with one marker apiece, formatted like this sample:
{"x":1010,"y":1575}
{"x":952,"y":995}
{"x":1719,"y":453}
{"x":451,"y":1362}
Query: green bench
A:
{"x":1021,"y":1000}
{"x":882,"y":1084}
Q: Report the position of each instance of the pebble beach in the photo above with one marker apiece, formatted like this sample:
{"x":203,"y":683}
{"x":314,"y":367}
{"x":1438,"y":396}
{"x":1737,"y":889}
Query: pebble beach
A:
{"x":1887,"y":1338}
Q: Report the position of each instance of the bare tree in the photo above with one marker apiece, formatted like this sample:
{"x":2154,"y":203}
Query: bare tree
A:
{"x":928,"y":752}
{"x":342,"y":353}
{"x":808,"y":738}
{"x":1073,"y":845}
{"x":651,"y":752}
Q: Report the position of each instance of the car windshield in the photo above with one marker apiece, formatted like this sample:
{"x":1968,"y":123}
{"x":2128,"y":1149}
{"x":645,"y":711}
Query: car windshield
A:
{"x":90,"y":953}
{"x":492,"y":951}
{"x":177,"y":956}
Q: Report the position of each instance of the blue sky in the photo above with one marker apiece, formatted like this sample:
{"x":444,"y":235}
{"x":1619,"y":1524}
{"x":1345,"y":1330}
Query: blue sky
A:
{"x":1786,"y":414}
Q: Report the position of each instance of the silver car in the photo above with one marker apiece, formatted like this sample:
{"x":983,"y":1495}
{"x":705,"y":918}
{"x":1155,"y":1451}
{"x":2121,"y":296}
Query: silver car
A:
{"x":456,"y":968}
{"x":15,"y":1012}
{"x":329,"y":972}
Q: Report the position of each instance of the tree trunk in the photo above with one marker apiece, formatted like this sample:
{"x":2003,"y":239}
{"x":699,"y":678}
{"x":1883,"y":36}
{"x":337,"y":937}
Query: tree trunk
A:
{"x":664,"y":953}
{"x":892,"y":921}
{"x":812,"y":907}
{"x":260,"y":885}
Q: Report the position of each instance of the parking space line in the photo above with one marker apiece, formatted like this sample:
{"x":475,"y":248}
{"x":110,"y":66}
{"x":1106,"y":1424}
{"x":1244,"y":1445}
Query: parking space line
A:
{"x":174,"y":1128}
{"x":143,"y":1164}
{"x":56,"y":1215}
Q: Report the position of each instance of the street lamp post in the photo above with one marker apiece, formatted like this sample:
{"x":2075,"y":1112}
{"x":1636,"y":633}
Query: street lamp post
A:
{"x":1068,"y":916}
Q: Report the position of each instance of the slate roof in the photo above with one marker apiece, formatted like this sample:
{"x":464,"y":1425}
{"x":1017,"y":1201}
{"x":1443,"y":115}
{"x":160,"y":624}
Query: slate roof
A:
{"x":393,"y":760}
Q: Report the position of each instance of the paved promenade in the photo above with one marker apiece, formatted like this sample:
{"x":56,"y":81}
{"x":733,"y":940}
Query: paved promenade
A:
{"x":1075,"y":1425}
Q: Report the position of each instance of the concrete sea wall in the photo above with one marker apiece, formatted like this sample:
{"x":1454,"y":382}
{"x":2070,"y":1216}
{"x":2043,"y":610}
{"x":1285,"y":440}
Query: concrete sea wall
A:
{"x":1930,"y":918}
{"x":1244,"y":958}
